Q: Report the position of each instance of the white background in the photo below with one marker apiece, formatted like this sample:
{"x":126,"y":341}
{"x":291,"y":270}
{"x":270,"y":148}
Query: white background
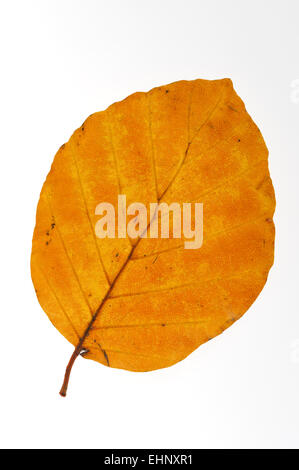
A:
{"x":63,"y":60}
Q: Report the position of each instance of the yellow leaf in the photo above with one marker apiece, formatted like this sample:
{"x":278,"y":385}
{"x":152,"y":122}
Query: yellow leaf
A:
{"x":144,"y":304}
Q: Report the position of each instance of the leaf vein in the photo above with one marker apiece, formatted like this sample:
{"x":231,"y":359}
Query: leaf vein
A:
{"x":150,"y":325}
{"x":184,"y":156}
{"x":152,"y":145}
{"x":88,"y":215}
{"x":188,"y":284}
{"x":213,"y":235}
{"x":59,"y":302}
{"x":70,"y":261}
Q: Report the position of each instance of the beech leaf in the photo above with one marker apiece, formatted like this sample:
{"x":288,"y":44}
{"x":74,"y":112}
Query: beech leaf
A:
{"x":144,"y":304}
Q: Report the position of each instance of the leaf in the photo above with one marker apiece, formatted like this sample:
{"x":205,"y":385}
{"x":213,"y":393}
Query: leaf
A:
{"x":148,"y":303}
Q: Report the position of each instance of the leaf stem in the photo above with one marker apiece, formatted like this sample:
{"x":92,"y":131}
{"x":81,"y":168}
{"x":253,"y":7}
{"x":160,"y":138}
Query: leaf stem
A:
{"x":80,"y":346}
{"x":67,"y":374}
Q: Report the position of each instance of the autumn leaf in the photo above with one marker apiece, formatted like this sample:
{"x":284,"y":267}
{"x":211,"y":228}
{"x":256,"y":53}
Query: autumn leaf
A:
{"x":144,"y":304}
